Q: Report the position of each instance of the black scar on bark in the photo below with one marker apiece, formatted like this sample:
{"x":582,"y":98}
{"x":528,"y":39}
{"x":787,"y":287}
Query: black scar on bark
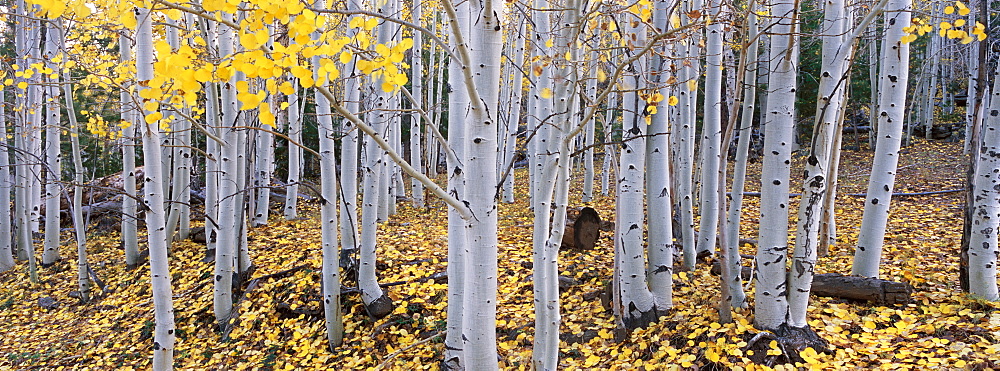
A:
{"x":874,"y":201}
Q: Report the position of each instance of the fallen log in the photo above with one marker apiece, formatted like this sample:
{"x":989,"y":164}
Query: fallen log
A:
{"x":872,"y":290}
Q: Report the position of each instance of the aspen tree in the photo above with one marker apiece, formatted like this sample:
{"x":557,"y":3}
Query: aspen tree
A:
{"x":375,"y":186}
{"x":892,"y":83}
{"x":711,"y":134}
{"x":328,"y":213}
{"x":6,"y":185}
{"x":732,"y":242}
{"x":684,"y":131}
{"x":163,"y":332}
{"x":660,"y":251}
{"x":294,"y":126}
{"x":349,"y":147}
{"x":79,"y":224}
{"x":983,"y":241}
{"x":458,"y":108}
{"x":129,"y":120}
{"x":837,"y":50}
{"x":227,"y":244}
{"x":480,"y":299}
{"x":771,"y":305}
{"x":53,"y":152}
{"x":417,"y":188}
{"x":636,"y":301}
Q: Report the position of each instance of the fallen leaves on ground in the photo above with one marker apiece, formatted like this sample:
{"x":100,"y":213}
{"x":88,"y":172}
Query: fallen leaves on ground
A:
{"x":280,"y":323}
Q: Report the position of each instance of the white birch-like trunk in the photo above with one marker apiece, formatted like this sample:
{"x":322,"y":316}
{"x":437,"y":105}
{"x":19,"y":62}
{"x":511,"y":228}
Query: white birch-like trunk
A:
{"x":458,"y":110}
{"x":739,"y":299}
{"x":417,"y":188}
{"x":983,"y":240}
{"x":660,"y":250}
{"x":770,"y":296}
{"x":79,"y":224}
{"x":546,"y":165}
{"x":973,"y":99}
{"x":263,"y":168}
{"x":53,"y":152}
{"x":6,"y":185}
{"x":837,"y":50}
{"x":685,"y":136}
{"x":609,"y":149}
{"x":163,"y":333}
{"x":26,"y":40}
{"x":228,"y":191}
{"x":638,"y":305}
{"x":376,"y":178}
{"x":291,"y":210}
{"x":349,"y":147}
{"x":892,"y":98}
{"x":588,"y":140}
{"x":480,"y":299}
{"x":328,"y":214}
{"x":711,"y":137}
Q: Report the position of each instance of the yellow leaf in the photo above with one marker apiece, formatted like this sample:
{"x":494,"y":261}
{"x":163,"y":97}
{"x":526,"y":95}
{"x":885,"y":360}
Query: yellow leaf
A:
{"x":546,"y":93}
{"x":949,"y":10}
{"x":22,"y":85}
{"x":345,"y":57}
{"x":549,"y":43}
{"x":591,"y":361}
{"x":127,"y":19}
{"x":672,"y":100}
{"x":266,"y":117}
{"x":692,"y":85}
{"x":601,"y":76}
{"x":153,"y":117}
{"x":963,"y":11}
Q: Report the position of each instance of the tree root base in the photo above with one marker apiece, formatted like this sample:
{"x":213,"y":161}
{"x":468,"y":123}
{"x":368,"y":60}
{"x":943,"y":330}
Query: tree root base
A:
{"x":380,"y":307}
{"x":791,"y":341}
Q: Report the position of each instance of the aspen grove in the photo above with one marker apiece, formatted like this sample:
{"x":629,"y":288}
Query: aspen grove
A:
{"x":485,"y":185}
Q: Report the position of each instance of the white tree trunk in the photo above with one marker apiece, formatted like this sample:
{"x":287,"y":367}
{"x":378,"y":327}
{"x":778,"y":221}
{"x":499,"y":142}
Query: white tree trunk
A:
{"x":417,"y":188}
{"x":480,"y":299}
{"x":837,"y":50}
{"x":770,"y":295}
{"x":711,"y":137}
{"x":328,"y":214}
{"x":659,"y":270}
{"x":892,"y":98}
{"x":79,"y":224}
{"x":163,"y":333}
{"x":263,"y":168}
{"x":26,"y":39}
{"x":458,"y":109}
{"x":53,"y":152}
{"x":294,"y":153}
{"x":685,"y":136}
{"x":986,"y":213}
{"x":6,"y":185}
{"x":638,"y":305}
{"x":740,"y":167}
{"x":228,"y":191}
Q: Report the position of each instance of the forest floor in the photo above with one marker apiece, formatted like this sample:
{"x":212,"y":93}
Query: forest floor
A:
{"x":280,"y":321}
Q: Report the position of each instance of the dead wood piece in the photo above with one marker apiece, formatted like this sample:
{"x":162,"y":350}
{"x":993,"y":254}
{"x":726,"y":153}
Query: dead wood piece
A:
{"x":582,"y":230}
{"x":874,"y":290}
